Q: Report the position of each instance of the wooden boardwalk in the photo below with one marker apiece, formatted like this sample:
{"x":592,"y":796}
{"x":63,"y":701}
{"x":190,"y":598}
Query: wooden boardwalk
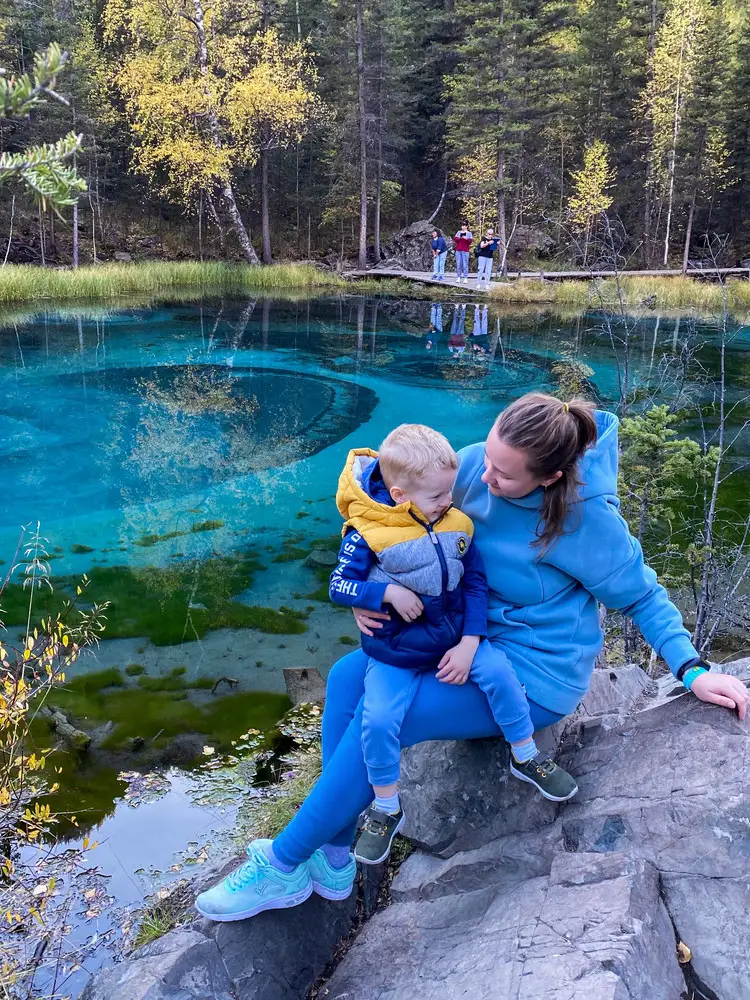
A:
{"x":425,"y":277}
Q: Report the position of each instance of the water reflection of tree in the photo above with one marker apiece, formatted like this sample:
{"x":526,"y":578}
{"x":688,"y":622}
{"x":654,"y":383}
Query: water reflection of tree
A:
{"x":199,"y":425}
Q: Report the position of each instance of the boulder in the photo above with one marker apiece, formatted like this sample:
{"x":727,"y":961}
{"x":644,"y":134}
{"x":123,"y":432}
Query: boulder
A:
{"x":325,"y":558}
{"x":511,"y":896}
{"x":530,"y":239}
{"x":182,"y":965}
{"x":123,"y":256}
{"x":410,"y":248}
{"x":593,"y":928}
{"x":304,"y":684}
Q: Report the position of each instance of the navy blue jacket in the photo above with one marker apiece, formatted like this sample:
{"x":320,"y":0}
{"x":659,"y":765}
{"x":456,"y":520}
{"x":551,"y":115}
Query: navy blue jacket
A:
{"x":358,"y":581}
{"x":440,"y":244}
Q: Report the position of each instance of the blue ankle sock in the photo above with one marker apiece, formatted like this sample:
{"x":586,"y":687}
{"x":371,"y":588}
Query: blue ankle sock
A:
{"x":525,"y":752}
{"x":388,"y":804}
{"x":268,"y":851}
{"x":338,"y":857}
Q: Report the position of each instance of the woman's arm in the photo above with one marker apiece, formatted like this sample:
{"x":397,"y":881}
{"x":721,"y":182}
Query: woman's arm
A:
{"x":608,"y":561}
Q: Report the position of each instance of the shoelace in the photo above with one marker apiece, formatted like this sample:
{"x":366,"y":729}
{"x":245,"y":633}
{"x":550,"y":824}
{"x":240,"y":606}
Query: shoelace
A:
{"x":374,"y":824}
{"x":545,"y":765}
{"x":250,"y":870}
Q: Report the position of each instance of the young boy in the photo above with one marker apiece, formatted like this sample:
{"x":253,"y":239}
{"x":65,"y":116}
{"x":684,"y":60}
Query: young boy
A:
{"x":408,"y":551}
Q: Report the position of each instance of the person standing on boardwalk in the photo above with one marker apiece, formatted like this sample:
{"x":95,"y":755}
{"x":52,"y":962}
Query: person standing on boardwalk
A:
{"x":439,"y":252}
{"x":484,"y":253}
{"x":462,"y":242}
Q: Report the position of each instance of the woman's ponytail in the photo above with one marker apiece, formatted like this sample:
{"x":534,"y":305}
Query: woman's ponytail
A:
{"x":554,"y":435}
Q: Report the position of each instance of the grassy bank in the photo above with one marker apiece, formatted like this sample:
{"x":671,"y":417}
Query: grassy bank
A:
{"x":26,"y":283}
{"x":637,"y":292}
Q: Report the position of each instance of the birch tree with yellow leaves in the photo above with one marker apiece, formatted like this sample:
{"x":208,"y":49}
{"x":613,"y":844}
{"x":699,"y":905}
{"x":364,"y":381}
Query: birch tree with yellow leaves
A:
{"x":206,"y":90}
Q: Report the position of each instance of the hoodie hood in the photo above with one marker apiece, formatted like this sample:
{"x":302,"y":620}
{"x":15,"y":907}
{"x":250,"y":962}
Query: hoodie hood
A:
{"x":598,"y":467}
{"x":363,"y":494}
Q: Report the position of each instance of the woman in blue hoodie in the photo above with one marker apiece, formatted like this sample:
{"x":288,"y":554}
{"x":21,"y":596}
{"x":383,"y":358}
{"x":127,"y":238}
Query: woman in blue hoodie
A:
{"x":439,"y":246}
{"x":542,"y":493}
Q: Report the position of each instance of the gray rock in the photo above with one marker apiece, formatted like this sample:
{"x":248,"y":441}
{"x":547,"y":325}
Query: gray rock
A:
{"x":615,"y":691}
{"x":304,"y":684}
{"x":279,"y":954}
{"x":595,"y":928}
{"x":325,"y":558}
{"x":460,"y":796}
{"x":123,"y":256}
{"x":410,"y":248}
{"x":182,"y":965}
{"x":712,"y":917}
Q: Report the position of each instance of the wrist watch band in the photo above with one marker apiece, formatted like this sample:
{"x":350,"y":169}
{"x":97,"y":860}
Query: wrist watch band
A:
{"x":698,"y":662}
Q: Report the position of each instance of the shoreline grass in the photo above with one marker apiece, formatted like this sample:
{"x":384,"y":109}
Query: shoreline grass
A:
{"x":27,"y":287}
{"x":29,"y":283}
{"x":654,"y":294}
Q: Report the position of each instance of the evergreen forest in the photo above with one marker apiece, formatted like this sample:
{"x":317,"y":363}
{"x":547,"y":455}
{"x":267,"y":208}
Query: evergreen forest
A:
{"x":287,"y":129}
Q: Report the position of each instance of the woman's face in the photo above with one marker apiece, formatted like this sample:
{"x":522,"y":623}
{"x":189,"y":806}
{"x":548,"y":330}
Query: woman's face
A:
{"x":434,"y":234}
{"x":506,"y":472}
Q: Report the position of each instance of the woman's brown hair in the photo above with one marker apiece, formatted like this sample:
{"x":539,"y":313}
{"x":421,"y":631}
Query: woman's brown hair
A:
{"x":554,"y":435}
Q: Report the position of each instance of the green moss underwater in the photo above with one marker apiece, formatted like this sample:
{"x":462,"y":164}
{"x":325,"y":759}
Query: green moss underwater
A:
{"x":168,"y":605}
{"x":140,"y":707}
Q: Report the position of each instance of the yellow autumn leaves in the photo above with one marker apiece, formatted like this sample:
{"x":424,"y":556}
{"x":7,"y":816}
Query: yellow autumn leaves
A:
{"x":259,"y":88}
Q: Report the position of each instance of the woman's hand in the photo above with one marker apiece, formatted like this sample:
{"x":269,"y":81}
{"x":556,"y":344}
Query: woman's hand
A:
{"x":722,"y":689}
{"x":368,"y":620}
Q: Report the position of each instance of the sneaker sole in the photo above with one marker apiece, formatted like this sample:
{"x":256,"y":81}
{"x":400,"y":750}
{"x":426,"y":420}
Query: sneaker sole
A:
{"x":334,"y":894}
{"x":377,"y":861}
{"x":281,"y":903}
{"x":550,"y":798}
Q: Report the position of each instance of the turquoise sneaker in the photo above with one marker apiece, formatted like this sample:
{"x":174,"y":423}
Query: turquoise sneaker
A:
{"x":330,"y":882}
{"x":254,"y":887}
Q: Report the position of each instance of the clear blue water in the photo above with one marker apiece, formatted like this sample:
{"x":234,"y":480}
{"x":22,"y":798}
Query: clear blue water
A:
{"x":151,"y":420}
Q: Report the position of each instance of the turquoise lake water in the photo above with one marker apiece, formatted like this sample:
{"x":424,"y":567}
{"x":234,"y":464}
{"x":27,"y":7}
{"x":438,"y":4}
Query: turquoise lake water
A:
{"x":152,"y":420}
{"x":236,"y":418}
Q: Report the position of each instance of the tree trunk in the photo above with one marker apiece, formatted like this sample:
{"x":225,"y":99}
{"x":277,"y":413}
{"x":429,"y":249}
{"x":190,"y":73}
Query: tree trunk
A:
{"x":379,"y":169}
{"x":265,"y":224}
{"x":362,"y":256}
{"x":689,"y":230}
{"x":213,"y":124}
{"x":673,"y":151}
{"x":75,"y":233}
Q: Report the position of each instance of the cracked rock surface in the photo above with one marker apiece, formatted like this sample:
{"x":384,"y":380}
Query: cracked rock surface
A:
{"x":510,"y":897}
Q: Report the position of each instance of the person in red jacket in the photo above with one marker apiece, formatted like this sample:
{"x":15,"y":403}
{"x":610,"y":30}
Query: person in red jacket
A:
{"x":462,"y":243}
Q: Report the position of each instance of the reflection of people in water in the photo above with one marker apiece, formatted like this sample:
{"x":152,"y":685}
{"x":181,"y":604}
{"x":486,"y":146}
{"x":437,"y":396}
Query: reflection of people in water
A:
{"x":479,"y":333}
{"x":457,"y":339}
{"x":435,"y":328}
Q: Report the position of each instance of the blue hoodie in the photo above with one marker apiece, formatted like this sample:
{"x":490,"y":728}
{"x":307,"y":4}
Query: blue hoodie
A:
{"x":543,"y":607}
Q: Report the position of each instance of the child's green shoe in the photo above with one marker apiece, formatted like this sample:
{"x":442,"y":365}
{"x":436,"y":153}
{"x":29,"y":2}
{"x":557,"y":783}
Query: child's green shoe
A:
{"x":375,"y":839}
{"x":254,"y":887}
{"x":552,"y":781}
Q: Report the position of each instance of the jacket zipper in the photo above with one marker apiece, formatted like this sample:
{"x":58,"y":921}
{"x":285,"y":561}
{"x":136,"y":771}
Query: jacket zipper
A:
{"x":430,"y":529}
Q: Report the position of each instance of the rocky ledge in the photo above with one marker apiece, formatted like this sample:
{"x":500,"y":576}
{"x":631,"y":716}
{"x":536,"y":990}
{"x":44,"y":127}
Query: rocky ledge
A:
{"x":509,"y":896}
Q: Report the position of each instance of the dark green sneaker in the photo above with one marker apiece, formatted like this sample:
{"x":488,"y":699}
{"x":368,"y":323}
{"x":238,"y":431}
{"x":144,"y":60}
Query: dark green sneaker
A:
{"x":376,"y":836}
{"x":544,"y":774}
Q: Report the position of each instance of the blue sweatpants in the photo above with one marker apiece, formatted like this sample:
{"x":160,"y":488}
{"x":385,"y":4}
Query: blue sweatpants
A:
{"x":389,"y":691}
{"x":438,"y":712}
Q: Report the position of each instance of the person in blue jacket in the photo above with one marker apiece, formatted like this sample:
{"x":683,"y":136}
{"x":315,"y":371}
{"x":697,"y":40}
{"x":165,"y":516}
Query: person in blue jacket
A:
{"x":407,"y":549}
{"x":439,"y":246}
{"x":551,"y":553}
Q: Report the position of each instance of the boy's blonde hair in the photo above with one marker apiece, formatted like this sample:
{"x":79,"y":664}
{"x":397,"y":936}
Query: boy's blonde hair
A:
{"x":411,"y":451}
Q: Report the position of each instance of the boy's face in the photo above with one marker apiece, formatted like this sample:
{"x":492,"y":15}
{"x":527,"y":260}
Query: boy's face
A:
{"x":433,"y":494}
